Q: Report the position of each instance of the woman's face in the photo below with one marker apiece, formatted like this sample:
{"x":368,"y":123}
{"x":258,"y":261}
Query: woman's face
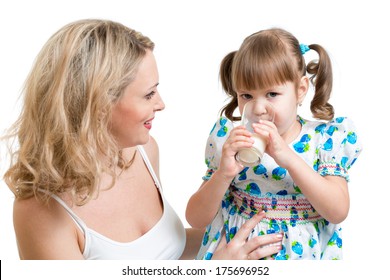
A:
{"x":134,"y":112}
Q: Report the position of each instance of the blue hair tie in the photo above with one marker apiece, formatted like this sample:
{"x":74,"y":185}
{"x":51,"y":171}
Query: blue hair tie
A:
{"x":304,"y":48}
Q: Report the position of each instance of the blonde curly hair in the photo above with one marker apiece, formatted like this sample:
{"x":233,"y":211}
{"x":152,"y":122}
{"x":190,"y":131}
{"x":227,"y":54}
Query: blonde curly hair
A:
{"x":63,"y":141}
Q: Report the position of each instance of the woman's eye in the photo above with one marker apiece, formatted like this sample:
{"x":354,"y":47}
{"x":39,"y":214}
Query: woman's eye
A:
{"x":150,"y":95}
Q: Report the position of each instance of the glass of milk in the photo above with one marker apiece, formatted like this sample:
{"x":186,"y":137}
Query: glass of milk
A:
{"x":254,"y":111}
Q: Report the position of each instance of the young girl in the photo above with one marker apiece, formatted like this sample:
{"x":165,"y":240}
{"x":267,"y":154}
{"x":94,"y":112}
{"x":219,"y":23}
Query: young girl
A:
{"x":301,"y":182}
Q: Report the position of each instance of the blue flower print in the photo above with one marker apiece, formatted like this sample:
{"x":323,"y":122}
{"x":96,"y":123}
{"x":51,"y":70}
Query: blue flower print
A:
{"x":312,"y":242}
{"x":284,"y":226}
{"x":297,"y":248}
{"x":279,"y":173}
{"x":233,"y":210}
{"x":301,"y":147}
{"x":282,"y":192}
{"x":242,"y":174}
{"x":331,"y":130}
{"x":351,"y":137}
{"x":232,"y":232}
{"x":303,"y":144}
{"x":260,"y":170}
{"x":206,"y":235}
{"x":282,"y":254}
{"x":273,"y":227}
{"x":205,"y":238}
{"x":339,"y":119}
{"x":227,"y":201}
{"x":335,"y":240}
{"x":320,"y":129}
{"x":305,"y":138}
{"x":253,"y":189}
{"x":223,"y":130}
{"x":208,"y":256}
{"x":344,"y":161}
{"x":216,"y":237}
{"x":328,"y":145}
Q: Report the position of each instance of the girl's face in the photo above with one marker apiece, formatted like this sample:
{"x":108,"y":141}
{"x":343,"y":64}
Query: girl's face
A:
{"x":284,"y":98}
{"x":134,"y":112}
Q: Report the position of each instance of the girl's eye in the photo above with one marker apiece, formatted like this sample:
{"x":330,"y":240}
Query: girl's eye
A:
{"x":246,"y":96}
{"x":272,"y":94}
{"x":150,"y":95}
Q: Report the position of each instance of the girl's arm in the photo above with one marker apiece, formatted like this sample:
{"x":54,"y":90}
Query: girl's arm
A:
{"x":204,"y":204}
{"x":327,"y":194}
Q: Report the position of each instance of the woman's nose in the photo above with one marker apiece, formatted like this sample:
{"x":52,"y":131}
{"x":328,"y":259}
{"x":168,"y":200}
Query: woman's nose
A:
{"x":160,"y":105}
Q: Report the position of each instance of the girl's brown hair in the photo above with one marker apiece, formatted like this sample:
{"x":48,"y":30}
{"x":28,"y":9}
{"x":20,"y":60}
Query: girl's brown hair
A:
{"x":272,"y":57}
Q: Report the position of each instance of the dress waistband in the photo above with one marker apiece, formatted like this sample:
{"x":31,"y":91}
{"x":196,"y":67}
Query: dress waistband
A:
{"x":289,"y":209}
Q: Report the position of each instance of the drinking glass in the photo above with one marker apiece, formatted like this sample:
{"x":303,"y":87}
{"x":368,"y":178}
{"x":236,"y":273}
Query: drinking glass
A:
{"x":254,"y":111}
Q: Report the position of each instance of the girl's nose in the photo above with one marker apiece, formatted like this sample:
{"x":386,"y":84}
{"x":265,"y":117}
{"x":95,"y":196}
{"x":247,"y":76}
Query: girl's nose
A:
{"x":259,"y":107}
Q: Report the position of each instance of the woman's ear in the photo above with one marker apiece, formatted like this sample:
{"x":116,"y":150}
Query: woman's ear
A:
{"x":302,"y":89}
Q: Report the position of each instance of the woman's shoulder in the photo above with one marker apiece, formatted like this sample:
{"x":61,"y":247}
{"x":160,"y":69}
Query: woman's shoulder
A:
{"x":25,"y":211}
{"x":41,"y":228}
{"x":37,"y":216}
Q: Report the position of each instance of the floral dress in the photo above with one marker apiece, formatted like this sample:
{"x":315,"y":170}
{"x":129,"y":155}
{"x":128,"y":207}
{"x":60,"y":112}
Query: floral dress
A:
{"x":330,"y":148}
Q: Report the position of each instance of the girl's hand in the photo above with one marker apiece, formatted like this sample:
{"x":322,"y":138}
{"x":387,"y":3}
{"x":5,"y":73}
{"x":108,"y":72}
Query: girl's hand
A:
{"x":239,"y":138}
{"x":277,"y":148}
{"x":240,"y":248}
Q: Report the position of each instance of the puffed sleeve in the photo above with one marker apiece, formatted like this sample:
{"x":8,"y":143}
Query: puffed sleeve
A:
{"x":215,"y":141}
{"x":339,"y":148}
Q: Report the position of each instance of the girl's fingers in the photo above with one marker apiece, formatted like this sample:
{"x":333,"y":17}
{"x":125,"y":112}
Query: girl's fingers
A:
{"x":240,"y":131}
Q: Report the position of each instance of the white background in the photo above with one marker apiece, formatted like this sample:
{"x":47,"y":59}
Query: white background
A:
{"x":191,"y":38}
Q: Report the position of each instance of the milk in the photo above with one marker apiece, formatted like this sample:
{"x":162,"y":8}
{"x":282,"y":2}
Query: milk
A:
{"x":252,"y":156}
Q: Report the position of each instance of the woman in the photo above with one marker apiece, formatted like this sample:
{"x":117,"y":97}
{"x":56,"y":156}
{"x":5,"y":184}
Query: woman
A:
{"x":85,"y":172}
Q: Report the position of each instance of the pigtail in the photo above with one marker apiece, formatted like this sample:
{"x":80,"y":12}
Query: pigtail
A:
{"x":225,"y":74}
{"x":322,"y":79}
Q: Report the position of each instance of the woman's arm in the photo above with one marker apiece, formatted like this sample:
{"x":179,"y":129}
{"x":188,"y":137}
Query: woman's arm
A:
{"x":193,"y":240}
{"x":239,"y":248}
{"x":45,"y":232}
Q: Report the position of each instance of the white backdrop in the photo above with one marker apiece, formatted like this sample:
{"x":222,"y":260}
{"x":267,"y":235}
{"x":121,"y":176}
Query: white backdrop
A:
{"x":191,"y":39}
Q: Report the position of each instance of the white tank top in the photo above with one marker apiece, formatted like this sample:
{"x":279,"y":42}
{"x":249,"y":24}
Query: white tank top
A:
{"x":165,"y":241}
